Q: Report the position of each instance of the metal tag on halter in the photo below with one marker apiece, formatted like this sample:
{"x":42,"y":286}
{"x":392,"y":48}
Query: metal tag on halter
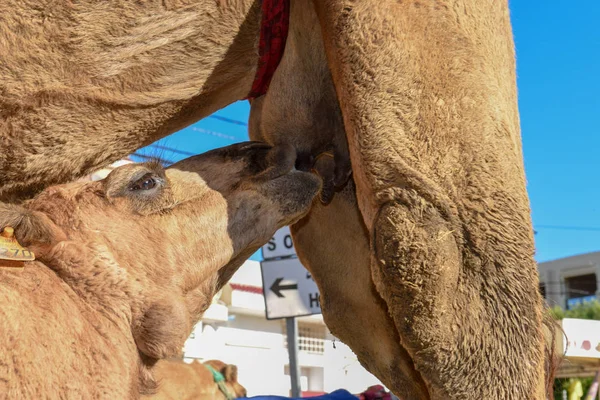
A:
{"x":10,"y":249}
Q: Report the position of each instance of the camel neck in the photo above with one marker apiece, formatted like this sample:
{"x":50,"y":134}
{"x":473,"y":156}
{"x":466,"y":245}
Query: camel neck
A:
{"x":99,"y":284}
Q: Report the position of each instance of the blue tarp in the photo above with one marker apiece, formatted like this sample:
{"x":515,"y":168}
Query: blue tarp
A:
{"x":339,"y":394}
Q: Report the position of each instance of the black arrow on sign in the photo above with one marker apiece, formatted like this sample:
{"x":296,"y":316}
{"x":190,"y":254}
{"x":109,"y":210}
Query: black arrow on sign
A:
{"x":277,"y":287}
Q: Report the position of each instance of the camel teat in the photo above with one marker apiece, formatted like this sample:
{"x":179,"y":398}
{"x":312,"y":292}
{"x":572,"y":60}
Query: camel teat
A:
{"x":11,"y":249}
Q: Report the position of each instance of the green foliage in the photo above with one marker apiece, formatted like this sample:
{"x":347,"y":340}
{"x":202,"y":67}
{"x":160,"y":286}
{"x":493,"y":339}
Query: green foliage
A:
{"x":561,"y":384}
{"x":587,"y":310}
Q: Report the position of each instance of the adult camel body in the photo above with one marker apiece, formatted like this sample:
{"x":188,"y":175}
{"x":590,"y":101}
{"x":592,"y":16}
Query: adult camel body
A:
{"x":432,"y":124}
{"x":437,"y":250}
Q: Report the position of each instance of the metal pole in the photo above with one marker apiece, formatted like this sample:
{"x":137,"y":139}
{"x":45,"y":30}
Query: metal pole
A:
{"x":292,"y":339}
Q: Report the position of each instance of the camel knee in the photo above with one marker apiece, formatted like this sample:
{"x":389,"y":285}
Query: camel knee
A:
{"x":454,"y":320}
{"x":416,"y":269}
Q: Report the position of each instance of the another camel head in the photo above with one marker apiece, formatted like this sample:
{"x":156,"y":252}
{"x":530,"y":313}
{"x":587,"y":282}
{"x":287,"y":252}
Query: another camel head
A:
{"x":196,"y":380}
{"x":230,"y":373}
{"x":156,"y":244}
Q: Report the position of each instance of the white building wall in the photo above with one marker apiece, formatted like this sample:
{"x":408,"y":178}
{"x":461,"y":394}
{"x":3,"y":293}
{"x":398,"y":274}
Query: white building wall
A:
{"x":553,"y":275}
{"x":256,"y":346}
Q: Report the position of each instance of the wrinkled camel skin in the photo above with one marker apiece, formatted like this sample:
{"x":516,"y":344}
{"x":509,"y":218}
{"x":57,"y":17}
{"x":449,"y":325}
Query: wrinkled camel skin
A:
{"x":126,"y":266}
{"x":193,"y":381}
{"x":439,"y":259}
{"x":429,"y":105}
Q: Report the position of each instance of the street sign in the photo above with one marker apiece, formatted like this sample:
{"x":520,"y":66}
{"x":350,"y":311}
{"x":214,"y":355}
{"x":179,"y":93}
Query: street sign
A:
{"x":581,"y":338}
{"x":289,"y":289}
{"x":280,"y":245}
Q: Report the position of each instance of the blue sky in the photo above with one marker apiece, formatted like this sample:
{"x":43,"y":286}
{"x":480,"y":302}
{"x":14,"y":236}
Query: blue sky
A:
{"x":558,"y":67}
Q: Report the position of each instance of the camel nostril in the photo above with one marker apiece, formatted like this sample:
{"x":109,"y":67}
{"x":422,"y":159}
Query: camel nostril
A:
{"x":304,"y":162}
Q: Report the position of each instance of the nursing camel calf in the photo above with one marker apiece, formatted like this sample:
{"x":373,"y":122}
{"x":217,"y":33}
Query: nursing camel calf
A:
{"x":434,"y":230}
{"x":196,"y":380}
{"x":126,"y":266}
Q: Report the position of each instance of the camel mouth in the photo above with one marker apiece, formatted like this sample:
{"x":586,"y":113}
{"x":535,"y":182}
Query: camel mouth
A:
{"x":307,"y":182}
{"x":294,"y":192}
{"x":313,"y":180}
{"x":257,"y":165}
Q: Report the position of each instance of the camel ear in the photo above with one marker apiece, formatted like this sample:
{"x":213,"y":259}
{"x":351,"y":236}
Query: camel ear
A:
{"x":163,"y":328}
{"x":230,"y":372}
{"x":32,"y":228}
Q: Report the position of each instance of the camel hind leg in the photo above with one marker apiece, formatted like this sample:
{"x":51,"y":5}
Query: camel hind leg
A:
{"x":428,"y":95}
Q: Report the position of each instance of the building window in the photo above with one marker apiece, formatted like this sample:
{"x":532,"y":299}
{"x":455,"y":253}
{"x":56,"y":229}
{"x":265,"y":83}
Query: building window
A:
{"x":581,"y":286}
{"x":311,"y":338}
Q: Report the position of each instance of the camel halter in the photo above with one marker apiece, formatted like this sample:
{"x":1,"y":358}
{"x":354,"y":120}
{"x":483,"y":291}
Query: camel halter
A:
{"x":273,"y":35}
{"x":220,"y":381}
{"x":12,"y":251}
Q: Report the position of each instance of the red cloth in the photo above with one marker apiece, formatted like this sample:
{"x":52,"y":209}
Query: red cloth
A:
{"x":273,"y":35}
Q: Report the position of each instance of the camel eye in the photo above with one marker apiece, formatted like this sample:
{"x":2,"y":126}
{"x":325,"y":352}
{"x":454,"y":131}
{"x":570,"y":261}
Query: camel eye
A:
{"x":147,"y":182}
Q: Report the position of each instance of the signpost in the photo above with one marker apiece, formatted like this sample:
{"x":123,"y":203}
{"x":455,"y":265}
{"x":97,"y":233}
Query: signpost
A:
{"x":289,"y":289}
{"x":289,"y":292}
{"x":280,"y":245}
{"x":291,"y":327}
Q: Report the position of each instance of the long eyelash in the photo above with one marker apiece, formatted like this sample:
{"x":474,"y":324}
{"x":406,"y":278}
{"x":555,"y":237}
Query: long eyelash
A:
{"x":156,"y":166}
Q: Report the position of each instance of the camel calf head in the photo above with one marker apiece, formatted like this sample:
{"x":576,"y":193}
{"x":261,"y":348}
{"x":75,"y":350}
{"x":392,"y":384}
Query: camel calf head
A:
{"x":149,"y":247}
{"x":179,"y":380}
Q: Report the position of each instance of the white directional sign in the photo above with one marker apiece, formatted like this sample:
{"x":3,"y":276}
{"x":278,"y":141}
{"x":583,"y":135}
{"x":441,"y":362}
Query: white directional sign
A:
{"x":280,"y":245}
{"x":581,"y":338}
{"x":289,"y":289}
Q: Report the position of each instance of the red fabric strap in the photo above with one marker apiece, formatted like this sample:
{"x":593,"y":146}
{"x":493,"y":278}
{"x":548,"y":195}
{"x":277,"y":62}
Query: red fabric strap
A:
{"x":273,"y":35}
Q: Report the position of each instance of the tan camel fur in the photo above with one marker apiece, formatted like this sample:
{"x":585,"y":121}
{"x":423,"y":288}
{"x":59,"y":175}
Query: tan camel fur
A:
{"x":428,"y":99}
{"x":194,"y":381}
{"x":302,"y":87}
{"x":126,"y":266}
{"x":439,"y":259}
{"x":83,"y":84}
